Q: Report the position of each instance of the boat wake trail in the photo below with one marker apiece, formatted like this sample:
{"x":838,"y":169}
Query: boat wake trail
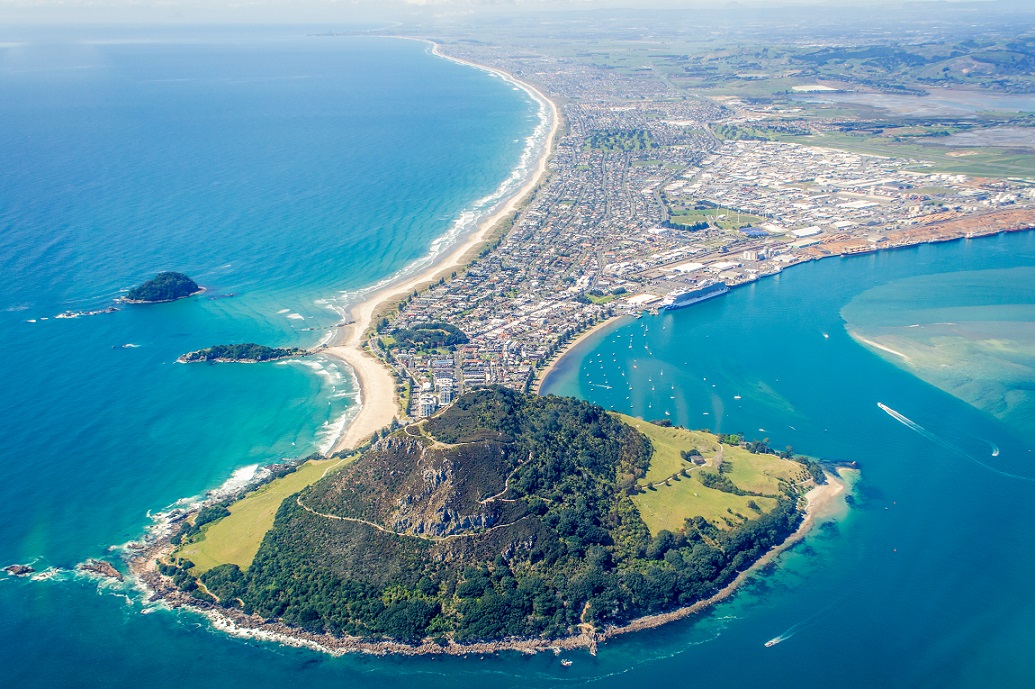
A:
{"x":914,"y":426}
{"x":797,"y":627}
{"x":906,"y":421}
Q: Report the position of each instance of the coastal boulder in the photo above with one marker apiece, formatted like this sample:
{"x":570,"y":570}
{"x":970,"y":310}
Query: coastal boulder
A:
{"x":101,"y":568}
{"x":19,"y":570}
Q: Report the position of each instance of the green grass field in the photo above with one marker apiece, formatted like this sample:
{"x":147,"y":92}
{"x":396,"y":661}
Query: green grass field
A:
{"x":236,"y":539}
{"x":670,"y":500}
{"x":990,"y":162}
{"x":669,"y":506}
{"x":668,"y":443}
{"x":761,"y":473}
{"x":602,"y":299}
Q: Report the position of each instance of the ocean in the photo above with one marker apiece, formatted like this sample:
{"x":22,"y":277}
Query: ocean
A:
{"x":286,"y":172}
{"x":292,"y":171}
{"x":923,"y":583}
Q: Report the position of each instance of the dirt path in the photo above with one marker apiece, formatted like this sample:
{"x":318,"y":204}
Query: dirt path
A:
{"x":434,"y":539}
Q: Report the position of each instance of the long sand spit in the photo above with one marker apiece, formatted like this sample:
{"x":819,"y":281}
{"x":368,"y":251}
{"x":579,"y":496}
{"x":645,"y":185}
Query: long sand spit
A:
{"x":377,"y":404}
{"x":377,"y":409}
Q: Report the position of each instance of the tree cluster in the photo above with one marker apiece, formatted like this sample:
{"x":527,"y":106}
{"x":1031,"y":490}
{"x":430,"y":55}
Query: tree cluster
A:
{"x":164,"y":287}
{"x":429,"y":335}
{"x":248,"y":351}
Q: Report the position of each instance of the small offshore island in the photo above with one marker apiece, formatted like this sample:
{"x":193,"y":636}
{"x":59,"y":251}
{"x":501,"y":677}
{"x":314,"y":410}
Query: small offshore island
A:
{"x":164,"y":287}
{"x":507,"y":521}
{"x":248,"y":353}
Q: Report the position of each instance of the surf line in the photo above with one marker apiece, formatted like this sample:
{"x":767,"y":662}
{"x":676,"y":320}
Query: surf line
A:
{"x":914,"y":426}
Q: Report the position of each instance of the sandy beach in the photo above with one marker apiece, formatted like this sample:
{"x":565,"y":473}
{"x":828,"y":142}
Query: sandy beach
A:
{"x":563,"y":351}
{"x":377,"y":399}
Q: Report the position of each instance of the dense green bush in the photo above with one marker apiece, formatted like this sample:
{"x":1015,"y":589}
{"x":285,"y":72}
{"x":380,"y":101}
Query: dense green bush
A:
{"x":570,"y":548}
{"x":164,"y":287}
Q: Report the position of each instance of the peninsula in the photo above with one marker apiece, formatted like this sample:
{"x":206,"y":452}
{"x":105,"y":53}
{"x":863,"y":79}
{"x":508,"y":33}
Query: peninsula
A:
{"x":509,"y":520}
{"x":166,"y":286}
{"x":655,"y":190}
{"x":459,"y":513}
{"x":248,"y":353}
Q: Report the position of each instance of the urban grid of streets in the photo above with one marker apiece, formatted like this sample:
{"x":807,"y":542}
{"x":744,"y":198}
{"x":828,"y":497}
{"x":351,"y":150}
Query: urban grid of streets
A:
{"x":597,"y":239}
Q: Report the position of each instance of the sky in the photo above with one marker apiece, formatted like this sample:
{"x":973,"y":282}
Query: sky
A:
{"x":342,"y":11}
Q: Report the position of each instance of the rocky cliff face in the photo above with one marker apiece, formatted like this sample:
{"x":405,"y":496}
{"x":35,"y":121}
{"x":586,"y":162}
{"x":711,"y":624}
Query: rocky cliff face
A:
{"x":417,"y":486}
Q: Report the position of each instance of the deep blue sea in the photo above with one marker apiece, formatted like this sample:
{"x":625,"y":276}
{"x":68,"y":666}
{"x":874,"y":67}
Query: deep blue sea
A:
{"x":286,"y":169}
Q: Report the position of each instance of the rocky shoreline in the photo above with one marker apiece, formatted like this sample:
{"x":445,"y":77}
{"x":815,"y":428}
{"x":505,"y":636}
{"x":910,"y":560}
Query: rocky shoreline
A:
{"x":19,"y":570}
{"x":101,"y":568}
{"x":126,"y":300}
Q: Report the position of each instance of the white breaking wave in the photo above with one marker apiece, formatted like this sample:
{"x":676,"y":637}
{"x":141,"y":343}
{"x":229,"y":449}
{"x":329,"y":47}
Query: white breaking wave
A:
{"x":466,"y":223}
{"x":330,"y":431}
{"x":239,"y":479}
{"x":470,"y":218}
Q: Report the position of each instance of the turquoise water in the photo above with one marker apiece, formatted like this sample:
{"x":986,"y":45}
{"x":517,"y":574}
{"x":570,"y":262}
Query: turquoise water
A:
{"x":242,"y":159}
{"x":280,"y":168}
{"x":924,"y":583}
{"x":961,"y":332}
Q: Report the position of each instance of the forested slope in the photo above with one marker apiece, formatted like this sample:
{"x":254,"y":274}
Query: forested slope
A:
{"x":507,"y":515}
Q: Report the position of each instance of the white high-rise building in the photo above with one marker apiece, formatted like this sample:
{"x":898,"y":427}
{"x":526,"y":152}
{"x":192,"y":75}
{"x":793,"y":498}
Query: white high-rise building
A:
{"x":426,"y":405}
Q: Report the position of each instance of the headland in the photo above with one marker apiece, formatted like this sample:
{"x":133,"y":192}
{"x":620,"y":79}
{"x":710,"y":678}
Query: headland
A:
{"x":445,"y":543}
{"x":820,"y":500}
{"x":569,"y":299}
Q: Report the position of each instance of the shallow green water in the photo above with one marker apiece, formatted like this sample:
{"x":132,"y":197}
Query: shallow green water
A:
{"x":971,"y":334}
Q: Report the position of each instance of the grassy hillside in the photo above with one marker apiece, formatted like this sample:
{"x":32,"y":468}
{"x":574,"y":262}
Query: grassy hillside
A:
{"x":507,"y":515}
{"x":235,"y":539}
{"x":668,"y":442}
{"x":672,"y":491}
